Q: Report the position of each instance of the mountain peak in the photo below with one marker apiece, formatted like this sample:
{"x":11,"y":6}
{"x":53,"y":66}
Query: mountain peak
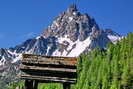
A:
{"x":72,"y":23}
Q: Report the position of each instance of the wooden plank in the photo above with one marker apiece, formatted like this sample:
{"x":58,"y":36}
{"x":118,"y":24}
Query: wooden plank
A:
{"x":49,"y":61}
{"x":37,"y":57}
{"x":51,"y":65}
{"x":51,"y":73}
{"x":48,"y":79}
{"x":25,"y":67}
{"x":52,"y":58}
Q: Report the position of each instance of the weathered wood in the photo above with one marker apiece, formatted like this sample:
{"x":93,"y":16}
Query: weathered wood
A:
{"x":51,"y":65}
{"x":38,"y":57}
{"x":46,"y":68}
{"x":66,"y":86}
{"x":49,"y":61}
{"x":35,"y":59}
{"x":28,"y":84}
{"x":51,"y":73}
{"x":35,"y":85}
{"x":47,"y":79}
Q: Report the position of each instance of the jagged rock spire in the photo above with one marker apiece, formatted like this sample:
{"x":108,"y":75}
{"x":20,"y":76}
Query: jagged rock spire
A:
{"x":72,"y":8}
{"x":73,"y":24}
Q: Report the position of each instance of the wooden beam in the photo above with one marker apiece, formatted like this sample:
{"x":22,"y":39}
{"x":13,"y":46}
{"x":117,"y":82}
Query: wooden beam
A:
{"x":49,"y":61}
{"x":48,"y":79}
{"x":51,"y":73}
{"x":37,"y":57}
{"x":25,"y":67}
{"x":51,"y":65}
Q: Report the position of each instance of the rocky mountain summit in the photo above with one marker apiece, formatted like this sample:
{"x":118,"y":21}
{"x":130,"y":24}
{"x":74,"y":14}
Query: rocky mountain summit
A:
{"x":70,"y":34}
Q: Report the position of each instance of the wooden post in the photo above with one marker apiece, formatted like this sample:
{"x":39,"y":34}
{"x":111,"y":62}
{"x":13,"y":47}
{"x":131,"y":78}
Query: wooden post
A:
{"x":28,"y":84}
{"x":35,"y":84}
{"x":66,"y":86}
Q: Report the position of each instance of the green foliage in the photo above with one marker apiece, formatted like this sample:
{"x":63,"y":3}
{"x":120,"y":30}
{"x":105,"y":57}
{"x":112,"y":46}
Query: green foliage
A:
{"x":50,"y":86}
{"x":110,"y":69}
{"x":17,"y":84}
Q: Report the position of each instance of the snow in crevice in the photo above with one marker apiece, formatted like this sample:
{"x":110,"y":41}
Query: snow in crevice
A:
{"x":38,"y":37}
{"x":113,"y":38}
{"x":18,"y":57}
{"x":74,"y":13}
{"x":12,"y":53}
{"x":2,"y":61}
{"x":61,"y":40}
{"x":80,"y":47}
{"x":56,"y":53}
{"x":64,"y":53}
{"x":70,"y":19}
{"x":48,"y":50}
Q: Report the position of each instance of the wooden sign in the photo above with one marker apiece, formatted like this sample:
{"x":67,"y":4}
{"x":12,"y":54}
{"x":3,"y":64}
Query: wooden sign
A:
{"x":47,"y":69}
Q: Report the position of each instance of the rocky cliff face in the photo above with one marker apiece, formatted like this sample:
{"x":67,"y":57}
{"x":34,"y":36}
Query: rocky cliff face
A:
{"x":70,"y":34}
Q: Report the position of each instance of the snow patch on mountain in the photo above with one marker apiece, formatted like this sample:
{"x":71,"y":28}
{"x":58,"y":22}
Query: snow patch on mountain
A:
{"x":17,"y":58}
{"x":114,"y":39}
{"x":74,"y":49}
{"x":80,"y":47}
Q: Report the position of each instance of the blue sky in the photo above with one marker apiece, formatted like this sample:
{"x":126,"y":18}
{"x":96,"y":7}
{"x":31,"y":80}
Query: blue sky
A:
{"x":23,"y":19}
